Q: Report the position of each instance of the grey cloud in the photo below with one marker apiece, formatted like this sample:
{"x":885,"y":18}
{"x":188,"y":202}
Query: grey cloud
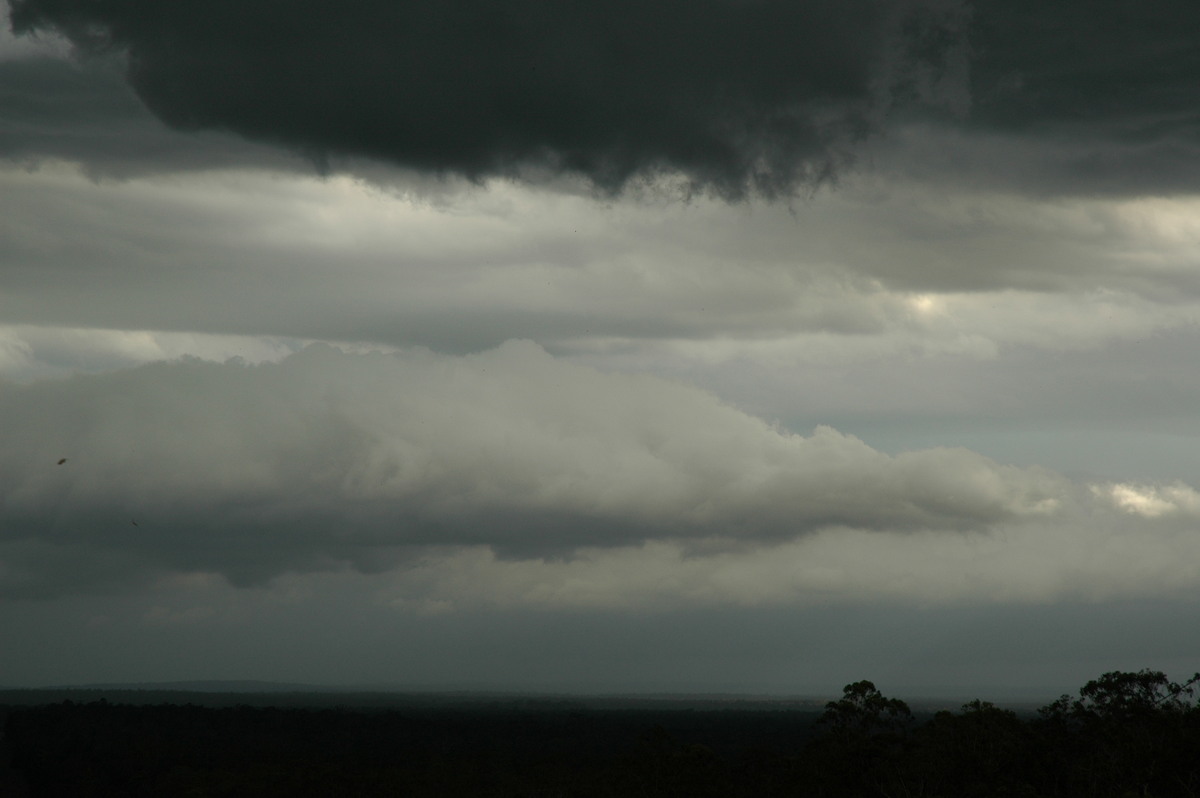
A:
{"x":737,"y":95}
{"x":207,"y":253}
{"x":53,"y":108}
{"x":1010,"y":650}
{"x":327,"y":459}
{"x":1122,"y":409}
{"x":1067,"y":158}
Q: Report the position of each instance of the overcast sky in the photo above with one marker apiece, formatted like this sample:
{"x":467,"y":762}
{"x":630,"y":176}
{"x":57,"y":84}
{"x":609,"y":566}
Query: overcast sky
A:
{"x":738,"y":345}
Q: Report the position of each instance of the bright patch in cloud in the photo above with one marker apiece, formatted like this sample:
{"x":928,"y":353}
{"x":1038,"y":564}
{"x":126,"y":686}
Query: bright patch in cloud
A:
{"x":1150,"y":501}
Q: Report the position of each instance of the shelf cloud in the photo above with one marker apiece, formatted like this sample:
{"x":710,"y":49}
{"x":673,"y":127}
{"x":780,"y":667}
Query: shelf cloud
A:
{"x":327,"y":458}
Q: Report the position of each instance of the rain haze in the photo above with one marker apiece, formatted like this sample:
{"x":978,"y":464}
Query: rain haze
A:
{"x":752,"y":346}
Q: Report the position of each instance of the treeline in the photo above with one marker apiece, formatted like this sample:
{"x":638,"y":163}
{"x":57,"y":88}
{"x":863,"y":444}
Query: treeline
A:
{"x":1124,"y":734}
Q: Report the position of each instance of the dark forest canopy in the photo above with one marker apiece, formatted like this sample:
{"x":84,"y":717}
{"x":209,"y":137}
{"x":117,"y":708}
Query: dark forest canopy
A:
{"x":1125,"y":733}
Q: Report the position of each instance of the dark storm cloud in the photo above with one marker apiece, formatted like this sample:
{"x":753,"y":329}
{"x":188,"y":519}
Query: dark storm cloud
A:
{"x":1085,"y":97}
{"x":737,"y":95}
{"x":1120,"y":68}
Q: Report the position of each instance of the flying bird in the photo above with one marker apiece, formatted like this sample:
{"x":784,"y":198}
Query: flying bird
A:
{"x":60,"y":462}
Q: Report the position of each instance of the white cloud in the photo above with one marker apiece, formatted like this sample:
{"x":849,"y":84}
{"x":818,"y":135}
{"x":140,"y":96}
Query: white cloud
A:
{"x":1151,"y":501}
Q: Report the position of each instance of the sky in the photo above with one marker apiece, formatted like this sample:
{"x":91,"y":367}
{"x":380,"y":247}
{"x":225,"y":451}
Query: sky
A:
{"x":751,"y":346}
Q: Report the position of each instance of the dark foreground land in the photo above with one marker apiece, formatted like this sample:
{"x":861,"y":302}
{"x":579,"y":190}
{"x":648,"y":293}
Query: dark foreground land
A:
{"x":1125,"y":734}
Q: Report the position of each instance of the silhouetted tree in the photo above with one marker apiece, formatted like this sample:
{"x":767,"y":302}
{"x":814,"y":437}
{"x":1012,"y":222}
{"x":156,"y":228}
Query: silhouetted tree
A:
{"x":1126,"y":733}
{"x":864,"y":743}
{"x":980,"y":752}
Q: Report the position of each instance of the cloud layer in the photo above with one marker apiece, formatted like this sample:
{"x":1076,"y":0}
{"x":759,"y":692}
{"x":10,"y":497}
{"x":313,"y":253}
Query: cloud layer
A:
{"x":736,"y":96}
{"x":328,"y":458}
{"x":1006,"y":275}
